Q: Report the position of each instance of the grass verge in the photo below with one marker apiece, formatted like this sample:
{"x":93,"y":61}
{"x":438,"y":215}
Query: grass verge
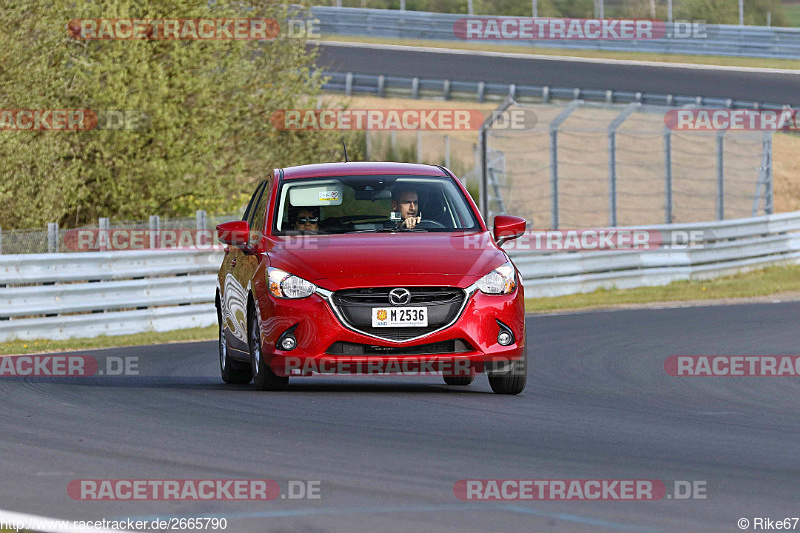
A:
{"x":773,"y":281}
{"x":755,"y":62}
{"x":106,"y":341}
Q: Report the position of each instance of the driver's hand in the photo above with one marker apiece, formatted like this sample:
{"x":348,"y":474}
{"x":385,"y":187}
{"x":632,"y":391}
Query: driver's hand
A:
{"x":410,"y":222}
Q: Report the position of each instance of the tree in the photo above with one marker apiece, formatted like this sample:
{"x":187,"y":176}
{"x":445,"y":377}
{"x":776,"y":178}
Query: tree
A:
{"x":206,"y":134}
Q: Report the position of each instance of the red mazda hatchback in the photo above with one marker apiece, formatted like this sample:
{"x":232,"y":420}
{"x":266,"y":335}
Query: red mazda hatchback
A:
{"x":369,"y":268}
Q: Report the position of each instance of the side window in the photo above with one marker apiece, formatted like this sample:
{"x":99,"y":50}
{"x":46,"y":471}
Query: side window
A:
{"x":253,"y":200}
{"x":260,"y":209}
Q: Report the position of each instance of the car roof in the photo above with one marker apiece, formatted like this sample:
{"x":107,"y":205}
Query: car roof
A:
{"x":361,"y":168}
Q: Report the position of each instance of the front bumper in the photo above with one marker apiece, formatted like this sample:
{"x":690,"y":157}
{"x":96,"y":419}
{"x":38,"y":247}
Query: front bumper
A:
{"x":319,"y":331}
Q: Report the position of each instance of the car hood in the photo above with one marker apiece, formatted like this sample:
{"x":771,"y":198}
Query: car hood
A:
{"x":363,"y":260}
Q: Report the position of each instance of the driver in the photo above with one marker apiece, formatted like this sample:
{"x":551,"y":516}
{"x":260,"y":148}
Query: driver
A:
{"x":305,"y":219}
{"x":406,"y":201}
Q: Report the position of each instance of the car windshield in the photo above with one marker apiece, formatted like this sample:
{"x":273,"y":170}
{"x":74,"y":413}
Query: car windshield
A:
{"x":351,"y":204}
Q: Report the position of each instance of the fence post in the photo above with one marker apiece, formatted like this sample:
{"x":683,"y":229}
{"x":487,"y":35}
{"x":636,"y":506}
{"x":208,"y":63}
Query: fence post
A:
{"x":484,"y":190}
{"x":393,"y":141}
{"x":768,"y":207}
{"x":721,"y":175}
{"x":667,"y":176}
{"x":554,"y":125}
{"x":419,"y":146}
{"x":52,"y":237}
{"x":103,"y":225}
{"x":612,"y":160}
{"x":368,"y":148}
{"x":154,"y":225}
{"x":447,"y":151}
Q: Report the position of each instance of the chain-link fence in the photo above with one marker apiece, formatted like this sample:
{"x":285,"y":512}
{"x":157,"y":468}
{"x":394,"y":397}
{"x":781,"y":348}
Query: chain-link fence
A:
{"x":55,"y":239}
{"x":595,"y":165}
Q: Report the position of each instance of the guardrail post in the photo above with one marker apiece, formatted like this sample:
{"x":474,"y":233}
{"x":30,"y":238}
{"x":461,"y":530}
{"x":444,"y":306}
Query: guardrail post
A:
{"x":721,"y":175}
{"x":447,"y":151}
{"x":393,"y":141}
{"x":419,"y":146}
{"x":200,"y":218}
{"x":103,"y":225}
{"x":368,"y":147}
{"x":154,"y":226}
{"x":545,"y":94}
{"x":446,"y":90}
{"x":381,"y":85}
{"x":481,"y":88}
{"x":52,"y":237}
{"x":415,"y":88}
{"x":348,"y":84}
{"x":667,"y":176}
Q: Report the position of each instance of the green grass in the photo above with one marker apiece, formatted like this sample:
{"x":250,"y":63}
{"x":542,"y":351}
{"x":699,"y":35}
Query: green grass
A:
{"x":637,"y":56}
{"x":793,"y":12}
{"x":139,"y":339}
{"x":767,"y":282}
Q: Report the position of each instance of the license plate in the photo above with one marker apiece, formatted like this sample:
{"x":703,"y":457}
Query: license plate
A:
{"x":399,"y":317}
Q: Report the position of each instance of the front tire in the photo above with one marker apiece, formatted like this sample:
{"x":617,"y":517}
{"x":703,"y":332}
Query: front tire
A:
{"x":233,"y":372}
{"x":513,"y":380}
{"x":263,"y":376}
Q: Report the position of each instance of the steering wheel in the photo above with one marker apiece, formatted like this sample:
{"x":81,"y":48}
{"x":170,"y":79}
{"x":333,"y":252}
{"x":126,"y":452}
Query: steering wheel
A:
{"x":430,"y":224}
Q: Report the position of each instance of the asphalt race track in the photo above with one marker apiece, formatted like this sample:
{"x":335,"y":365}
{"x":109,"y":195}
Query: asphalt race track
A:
{"x":770,"y":87}
{"x":388,"y":450}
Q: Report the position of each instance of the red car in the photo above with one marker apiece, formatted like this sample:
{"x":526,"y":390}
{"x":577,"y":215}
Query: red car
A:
{"x":361,"y":268}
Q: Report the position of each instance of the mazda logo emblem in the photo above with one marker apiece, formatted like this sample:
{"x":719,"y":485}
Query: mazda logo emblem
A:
{"x":399,"y":296}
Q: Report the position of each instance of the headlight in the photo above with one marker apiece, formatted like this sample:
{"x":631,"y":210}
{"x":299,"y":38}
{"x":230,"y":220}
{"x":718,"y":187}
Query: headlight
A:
{"x":285,"y":285}
{"x":501,"y":280}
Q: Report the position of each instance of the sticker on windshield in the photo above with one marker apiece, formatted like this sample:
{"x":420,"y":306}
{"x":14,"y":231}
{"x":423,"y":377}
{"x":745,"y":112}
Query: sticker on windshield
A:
{"x":328,"y":196}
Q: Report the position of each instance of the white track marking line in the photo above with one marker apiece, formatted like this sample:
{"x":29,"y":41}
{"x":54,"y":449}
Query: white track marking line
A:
{"x":45,"y":524}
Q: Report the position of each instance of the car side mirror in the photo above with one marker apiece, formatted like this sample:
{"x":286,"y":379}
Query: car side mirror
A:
{"x":235,"y":233}
{"x":507,"y":227}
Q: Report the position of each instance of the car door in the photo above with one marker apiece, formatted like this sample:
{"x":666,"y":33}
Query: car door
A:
{"x":247,"y":261}
{"x":234,"y":293}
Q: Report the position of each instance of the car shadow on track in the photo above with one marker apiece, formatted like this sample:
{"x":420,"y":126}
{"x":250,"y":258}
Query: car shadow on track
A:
{"x":212,"y":384}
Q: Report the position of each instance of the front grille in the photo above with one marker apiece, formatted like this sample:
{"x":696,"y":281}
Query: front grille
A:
{"x":443,"y":347}
{"x":355,"y":305}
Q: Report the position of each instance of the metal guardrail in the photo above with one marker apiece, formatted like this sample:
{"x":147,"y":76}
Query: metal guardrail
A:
{"x":61,"y":296}
{"x":353,"y":84}
{"x":723,"y":40}
{"x":726,"y":247}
